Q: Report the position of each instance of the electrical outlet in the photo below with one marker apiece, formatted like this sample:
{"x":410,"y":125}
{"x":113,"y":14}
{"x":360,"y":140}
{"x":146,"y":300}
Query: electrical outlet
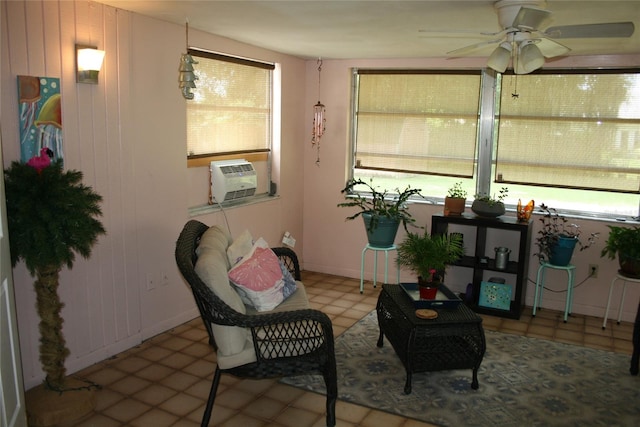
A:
{"x":593,"y":270}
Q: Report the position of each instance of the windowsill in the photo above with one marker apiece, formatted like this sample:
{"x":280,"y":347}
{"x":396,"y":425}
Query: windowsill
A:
{"x":208,"y":209}
{"x":511,"y":211}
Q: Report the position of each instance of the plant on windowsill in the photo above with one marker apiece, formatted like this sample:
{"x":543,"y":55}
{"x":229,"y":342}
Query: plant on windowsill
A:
{"x":381,"y":211}
{"x":624,"y":242}
{"x":455,"y":200}
{"x":558,"y":237}
{"x":490,"y":206}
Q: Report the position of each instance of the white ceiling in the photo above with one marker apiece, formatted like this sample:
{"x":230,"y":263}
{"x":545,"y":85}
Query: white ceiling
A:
{"x":379,"y":29}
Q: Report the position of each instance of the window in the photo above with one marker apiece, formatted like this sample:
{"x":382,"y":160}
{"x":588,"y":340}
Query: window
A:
{"x":230,"y":117}
{"x":583,"y":126}
{"x":417,"y":122}
{"x":231,"y":111}
{"x":570,"y":139}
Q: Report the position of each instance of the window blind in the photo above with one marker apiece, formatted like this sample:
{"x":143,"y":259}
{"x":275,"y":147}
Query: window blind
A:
{"x":417,"y":121}
{"x":570,"y":130}
{"x":232,"y":105}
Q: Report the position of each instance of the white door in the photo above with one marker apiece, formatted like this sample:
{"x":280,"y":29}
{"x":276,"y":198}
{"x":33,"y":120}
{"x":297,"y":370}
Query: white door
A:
{"x":12,"y":411}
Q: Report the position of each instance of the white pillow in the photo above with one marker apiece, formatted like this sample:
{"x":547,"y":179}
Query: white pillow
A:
{"x":240,"y":247}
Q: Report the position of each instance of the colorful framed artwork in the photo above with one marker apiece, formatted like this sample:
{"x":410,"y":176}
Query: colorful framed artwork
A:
{"x":40,"y":116}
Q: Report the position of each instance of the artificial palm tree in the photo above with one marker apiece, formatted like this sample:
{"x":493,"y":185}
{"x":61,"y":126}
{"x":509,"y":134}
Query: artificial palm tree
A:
{"x":51,"y":216}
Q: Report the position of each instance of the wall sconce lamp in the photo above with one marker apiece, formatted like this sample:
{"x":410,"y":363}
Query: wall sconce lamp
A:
{"x":88,"y":63}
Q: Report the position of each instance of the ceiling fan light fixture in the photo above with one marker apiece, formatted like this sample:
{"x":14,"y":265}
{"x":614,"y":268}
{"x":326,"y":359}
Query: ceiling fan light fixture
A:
{"x":499,"y":59}
{"x":529,"y":59}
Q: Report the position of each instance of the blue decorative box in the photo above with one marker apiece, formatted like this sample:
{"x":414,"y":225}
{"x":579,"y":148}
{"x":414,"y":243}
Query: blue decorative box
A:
{"x":495,"y":295}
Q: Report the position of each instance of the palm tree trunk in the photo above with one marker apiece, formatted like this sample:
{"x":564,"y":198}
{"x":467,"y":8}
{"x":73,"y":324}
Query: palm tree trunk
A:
{"x":53,"y":350}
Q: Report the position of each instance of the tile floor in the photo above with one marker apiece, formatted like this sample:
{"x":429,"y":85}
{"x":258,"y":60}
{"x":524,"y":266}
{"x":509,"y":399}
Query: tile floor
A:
{"x":165,"y":381}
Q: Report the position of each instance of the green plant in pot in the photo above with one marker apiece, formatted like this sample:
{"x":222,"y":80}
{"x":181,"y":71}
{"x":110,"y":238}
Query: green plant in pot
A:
{"x":426,"y":255}
{"x":455,"y":200}
{"x":624,"y":242}
{"x":51,"y":216}
{"x":490,"y":206}
{"x":557,"y":238}
{"x":381,"y":210}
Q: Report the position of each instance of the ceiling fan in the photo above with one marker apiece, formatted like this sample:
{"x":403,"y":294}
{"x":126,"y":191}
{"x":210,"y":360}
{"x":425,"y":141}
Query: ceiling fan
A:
{"x":524,"y":44}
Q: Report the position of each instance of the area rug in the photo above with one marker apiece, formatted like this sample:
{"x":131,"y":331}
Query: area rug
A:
{"x":523,"y":382}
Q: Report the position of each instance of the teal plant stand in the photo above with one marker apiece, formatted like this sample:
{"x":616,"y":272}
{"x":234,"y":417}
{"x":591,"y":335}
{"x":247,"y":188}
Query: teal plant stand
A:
{"x":375,"y":250}
{"x":571,"y":273}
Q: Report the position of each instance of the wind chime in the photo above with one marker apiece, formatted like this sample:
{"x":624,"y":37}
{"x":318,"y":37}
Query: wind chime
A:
{"x":187,"y":78}
{"x":318,"y":118}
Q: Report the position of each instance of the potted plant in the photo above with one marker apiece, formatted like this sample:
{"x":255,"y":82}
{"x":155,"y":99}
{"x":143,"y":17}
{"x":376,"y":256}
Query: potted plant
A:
{"x":490,"y":206}
{"x":382,"y":212}
{"x":625,"y":243}
{"x":455,"y":200}
{"x":558,"y":237}
{"x":51,"y":216}
{"x":426,"y":255}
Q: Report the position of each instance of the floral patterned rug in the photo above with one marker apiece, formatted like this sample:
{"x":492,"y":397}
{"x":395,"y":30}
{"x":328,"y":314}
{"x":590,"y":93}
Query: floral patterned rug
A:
{"x":523,"y":382}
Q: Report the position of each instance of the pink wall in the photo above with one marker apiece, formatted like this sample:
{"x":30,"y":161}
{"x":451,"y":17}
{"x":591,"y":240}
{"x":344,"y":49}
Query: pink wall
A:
{"x":127,"y":135}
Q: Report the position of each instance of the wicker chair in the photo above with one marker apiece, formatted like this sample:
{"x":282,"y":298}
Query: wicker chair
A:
{"x":308,"y":334}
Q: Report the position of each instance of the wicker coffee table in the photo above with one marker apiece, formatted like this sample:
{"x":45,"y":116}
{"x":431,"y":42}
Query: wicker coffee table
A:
{"x":454,"y":340}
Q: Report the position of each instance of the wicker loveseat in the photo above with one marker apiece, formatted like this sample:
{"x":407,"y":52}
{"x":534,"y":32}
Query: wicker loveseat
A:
{"x":289,"y":340}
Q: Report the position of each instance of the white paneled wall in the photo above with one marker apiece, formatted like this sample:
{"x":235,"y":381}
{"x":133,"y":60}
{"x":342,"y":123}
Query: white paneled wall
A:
{"x":127,"y":136}
{"x":102,"y":301}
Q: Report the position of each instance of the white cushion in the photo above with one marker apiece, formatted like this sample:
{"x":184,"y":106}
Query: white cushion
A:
{"x":240,"y":247}
{"x":297,"y":301}
{"x":214,"y":238}
{"x":211,"y":267}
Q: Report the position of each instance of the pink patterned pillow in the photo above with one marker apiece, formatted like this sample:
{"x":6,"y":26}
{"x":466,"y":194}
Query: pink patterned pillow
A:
{"x":258,"y":278}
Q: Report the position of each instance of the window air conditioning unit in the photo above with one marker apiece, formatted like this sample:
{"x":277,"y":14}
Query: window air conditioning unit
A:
{"x":232,"y":180}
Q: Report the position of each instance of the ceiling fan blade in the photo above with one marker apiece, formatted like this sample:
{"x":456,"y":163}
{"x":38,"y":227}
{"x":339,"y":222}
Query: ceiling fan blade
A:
{"x":456,"y":33}
{"x":551,"y":48}
{"x":472,"y":47}
{"x":531,"y":18}
{"x":610,"y":29}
